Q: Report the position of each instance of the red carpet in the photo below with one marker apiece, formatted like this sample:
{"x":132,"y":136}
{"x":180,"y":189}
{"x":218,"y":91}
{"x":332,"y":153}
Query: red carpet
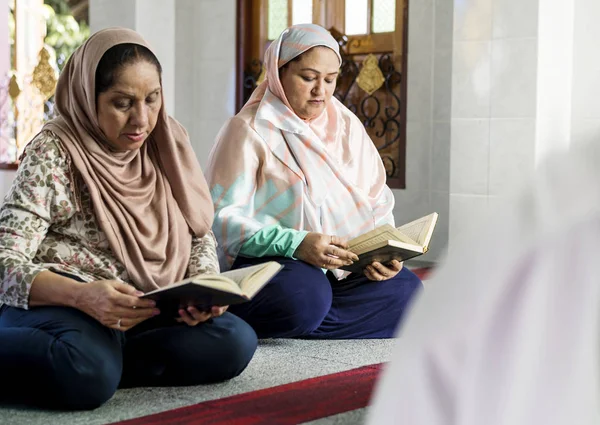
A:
{"x":422,"y":272}
{"x":287,"y":404}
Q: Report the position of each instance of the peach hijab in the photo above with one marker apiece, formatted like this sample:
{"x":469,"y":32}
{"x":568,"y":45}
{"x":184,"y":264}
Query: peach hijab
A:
{"x":292,"y":42}
{"x":149,"y":202}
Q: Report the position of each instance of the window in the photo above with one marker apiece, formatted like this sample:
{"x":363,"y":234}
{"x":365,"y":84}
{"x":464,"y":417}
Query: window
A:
{"x":373,"y":36}
{"x":372,"y":26}
{"x":42,"y":35}
{"x":370,"y":16}
{"x":384,"y":16}
{"x":302,"y":11}
{"x":357,"y":17}
{"x":278,"y":17}
{"x":283,"y":13}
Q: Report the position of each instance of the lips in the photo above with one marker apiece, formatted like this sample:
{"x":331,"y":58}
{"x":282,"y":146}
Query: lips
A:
{"x":135,"y":137}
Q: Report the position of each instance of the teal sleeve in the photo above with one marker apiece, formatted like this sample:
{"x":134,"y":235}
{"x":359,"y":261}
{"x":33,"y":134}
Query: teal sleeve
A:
{"x":273,"y":241}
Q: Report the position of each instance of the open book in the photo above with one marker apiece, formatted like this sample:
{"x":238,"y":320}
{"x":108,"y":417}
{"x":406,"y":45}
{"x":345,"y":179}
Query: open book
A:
{"x":387,"y":243}
{"x":207,"y":290}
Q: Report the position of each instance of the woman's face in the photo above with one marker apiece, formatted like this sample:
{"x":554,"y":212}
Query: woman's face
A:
{"x":309,"y":83}
{"x":128,"y":111}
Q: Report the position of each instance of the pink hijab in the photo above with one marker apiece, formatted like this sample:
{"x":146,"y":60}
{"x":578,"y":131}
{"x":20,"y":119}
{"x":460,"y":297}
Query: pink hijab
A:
{"x":150,"y":201}
{"x":292,"y":42}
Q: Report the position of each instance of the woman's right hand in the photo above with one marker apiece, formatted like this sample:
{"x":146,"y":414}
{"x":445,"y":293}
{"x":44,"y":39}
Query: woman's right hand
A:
{"x":324,"y":251}
{"x":114,"y":304}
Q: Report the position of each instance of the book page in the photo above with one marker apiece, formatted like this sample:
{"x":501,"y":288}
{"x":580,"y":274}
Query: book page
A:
{"x":251,"y":278}
{"x":254,"y":282}
{"x":421,"y":229}
{"x":238,"y":275}
{"x":381,"y":234}
{"x":244,"y":281}
{"x":215,"y":281}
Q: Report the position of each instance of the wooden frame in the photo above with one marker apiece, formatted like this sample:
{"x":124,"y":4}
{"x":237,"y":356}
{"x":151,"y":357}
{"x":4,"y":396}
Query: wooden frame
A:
{"x":401,"y":45}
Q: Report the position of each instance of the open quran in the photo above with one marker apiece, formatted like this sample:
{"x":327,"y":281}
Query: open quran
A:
{"x":387,"y":243}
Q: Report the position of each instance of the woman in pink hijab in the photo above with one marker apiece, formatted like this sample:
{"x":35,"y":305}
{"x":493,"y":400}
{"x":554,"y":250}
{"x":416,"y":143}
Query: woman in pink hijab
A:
{"x":293,"y":176}
{"x":109,"y":202}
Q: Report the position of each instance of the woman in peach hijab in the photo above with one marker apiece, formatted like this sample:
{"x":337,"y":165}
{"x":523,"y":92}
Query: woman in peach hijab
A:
{"x":109,"y":202}
{"x":293,"y":176}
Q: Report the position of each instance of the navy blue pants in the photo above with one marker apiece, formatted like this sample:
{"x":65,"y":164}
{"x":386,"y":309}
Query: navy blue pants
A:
{"x":61,"y":358}
{"x":303,"y":302}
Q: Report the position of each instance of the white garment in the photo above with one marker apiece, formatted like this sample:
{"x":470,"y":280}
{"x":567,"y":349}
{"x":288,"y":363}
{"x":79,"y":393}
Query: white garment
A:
{"x":508,"y":330}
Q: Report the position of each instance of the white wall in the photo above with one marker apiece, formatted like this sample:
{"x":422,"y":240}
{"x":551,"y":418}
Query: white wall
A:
{"x":205,"y":69}
{"x":586,"y":72}
{"x":111,"y":13}
{"x":494,"y":98}
{"x":428,"y":118}
{"x":554,"y":77}
{"x":6,"y":179}
{"x":526,"y":83}
{"x":154,"y":20}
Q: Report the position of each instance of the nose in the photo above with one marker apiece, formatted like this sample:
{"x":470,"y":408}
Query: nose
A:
{"x":319,"y":88}
{"x":139,"y":116}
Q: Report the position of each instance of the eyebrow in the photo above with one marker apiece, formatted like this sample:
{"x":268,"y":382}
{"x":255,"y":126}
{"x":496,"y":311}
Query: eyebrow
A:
{"x":132,"y":95}
{"x":317,"y":72}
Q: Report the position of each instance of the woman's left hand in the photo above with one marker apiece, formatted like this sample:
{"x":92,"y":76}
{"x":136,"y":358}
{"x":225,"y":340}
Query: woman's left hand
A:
{"x":192,"y":316}
{"x":377,"y":271}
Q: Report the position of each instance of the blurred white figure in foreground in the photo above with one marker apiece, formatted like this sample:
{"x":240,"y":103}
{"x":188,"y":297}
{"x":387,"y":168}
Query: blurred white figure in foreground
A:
{"x":508,"y":331}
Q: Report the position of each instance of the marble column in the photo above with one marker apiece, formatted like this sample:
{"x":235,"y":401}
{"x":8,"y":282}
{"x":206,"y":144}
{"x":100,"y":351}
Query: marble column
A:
{"x":154,"y":20}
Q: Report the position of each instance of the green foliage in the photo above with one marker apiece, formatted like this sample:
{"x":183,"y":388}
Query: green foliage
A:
{"x":60,"y":6}
{"x":63,"y":33}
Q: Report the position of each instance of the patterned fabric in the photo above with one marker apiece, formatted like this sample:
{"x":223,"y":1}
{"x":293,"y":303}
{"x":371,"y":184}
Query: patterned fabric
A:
{"x":44,"y":227}
{"x":299,"y":38}
{"x":269,"y":167}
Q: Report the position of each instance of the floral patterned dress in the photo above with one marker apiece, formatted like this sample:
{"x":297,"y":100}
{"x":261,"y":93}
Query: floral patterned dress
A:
{"x":47,"y":222}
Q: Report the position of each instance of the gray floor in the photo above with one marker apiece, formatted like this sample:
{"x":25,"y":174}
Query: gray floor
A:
{"x":276,"y":362}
